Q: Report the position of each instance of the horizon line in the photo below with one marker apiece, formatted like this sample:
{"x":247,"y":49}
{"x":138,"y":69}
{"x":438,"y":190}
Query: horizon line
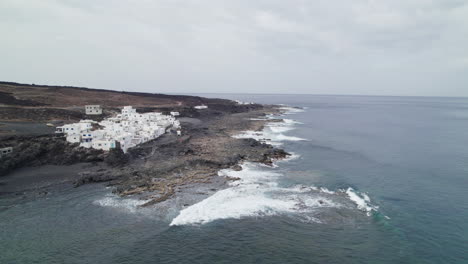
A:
{"x":319,"y":94}
{"x":246,"y":93}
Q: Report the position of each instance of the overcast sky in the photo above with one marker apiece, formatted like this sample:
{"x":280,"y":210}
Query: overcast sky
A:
{"x":376,"y":47}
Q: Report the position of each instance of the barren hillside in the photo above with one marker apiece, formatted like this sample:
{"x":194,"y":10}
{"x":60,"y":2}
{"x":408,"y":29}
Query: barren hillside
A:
{"x":64,"y":96}
{"x":42,"y":103}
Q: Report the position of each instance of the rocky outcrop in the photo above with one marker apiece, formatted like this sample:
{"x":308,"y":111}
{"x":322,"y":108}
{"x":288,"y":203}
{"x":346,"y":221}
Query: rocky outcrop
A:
{"x":100,"y":175}
{"x":156,"y":169}
{"x":116,"y":157}
{"x":41,"y":150}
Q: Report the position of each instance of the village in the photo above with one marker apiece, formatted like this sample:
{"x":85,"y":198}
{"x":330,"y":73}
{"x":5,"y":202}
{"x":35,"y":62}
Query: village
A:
{"x":126,"y":130}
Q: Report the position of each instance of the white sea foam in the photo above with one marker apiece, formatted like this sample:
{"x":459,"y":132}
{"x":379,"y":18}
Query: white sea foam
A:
{"x":283,"y":126}
{"x":292,"y":156}
{"x":291,"y":110}
{"x":256,"y":194}
{"x":123,"y":204}
{"x":274,"y":139}
{"x":325,"y":190}
{"x":273,"y":133}
{"x":361,"y":200}
{"x":246,"y":197}
{"x":280,"y":129}
{"x":291,"y":121}
{"x":231,"y":203}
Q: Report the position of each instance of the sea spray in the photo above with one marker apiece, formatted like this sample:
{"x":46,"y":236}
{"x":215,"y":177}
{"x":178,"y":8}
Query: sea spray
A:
{"x":257,"y":192}
{"x":361,"y":200}
{"x":273,"y":133}
{"x":246,"y":197}
{"x":123,"y":204}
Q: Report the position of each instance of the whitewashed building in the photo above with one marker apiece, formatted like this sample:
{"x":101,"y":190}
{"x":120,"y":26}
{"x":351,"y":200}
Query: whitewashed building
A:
{"x":104,"y":144}
{"x":243,"y":103}
{"x":74,"y":138}
{"x":75,"y":128}
{"x":127,"y":129}
{"x":199,"y":107}
{"x":93,"y":110}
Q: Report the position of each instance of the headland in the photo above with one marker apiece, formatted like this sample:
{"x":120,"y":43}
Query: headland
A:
{"x":154,"y":170}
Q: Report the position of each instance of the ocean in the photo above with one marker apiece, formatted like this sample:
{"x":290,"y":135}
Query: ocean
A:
{"x":371,"y":180}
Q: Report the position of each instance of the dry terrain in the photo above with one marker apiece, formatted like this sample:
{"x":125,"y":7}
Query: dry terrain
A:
{"x":62,"y":104}
{"x":156,"y":169}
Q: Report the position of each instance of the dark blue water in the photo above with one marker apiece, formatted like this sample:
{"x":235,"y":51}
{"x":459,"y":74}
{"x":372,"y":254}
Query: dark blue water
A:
{"x":408,"y":154}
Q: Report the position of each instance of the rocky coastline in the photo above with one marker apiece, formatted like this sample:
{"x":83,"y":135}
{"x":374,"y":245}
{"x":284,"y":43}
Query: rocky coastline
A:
{"x":156,"y":170}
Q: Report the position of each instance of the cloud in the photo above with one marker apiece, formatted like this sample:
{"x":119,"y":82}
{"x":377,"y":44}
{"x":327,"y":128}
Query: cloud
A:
{"x":271,"y":21}
{"x":300,"y":46}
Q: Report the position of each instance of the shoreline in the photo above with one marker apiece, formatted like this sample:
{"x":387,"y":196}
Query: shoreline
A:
{"x":157,"y":170}
{"x":189,"y":195}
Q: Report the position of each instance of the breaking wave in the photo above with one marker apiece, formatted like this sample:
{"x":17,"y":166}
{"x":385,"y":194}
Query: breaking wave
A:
{"x":273,"y":139}
{"x":292,"y":110}
{"x":258,"y":194}
{"x":273,"y":133}
{"x":123,"y":204}
{"x":361,"y":200}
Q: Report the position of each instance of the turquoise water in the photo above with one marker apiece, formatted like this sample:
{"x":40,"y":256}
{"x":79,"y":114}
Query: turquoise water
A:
{"x":409,"y":155}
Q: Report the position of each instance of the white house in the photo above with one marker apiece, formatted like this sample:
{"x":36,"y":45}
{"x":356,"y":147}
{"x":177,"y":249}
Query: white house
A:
{"x":93,"y":109}
{"x":75,"y":128}
{"x":243,"y":103}
{"x":104,"y":144}
{"x":199,"y":107}
{"x":74,"y":138}
{"x":5,"y":151}
{"x":127,"y":129}
{"x":127,"y":111}
{"x":65,"y":129}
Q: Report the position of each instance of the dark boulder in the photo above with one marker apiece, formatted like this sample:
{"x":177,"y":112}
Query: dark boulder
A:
{"x":43,"y":150}
{"x":116,"y":158}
